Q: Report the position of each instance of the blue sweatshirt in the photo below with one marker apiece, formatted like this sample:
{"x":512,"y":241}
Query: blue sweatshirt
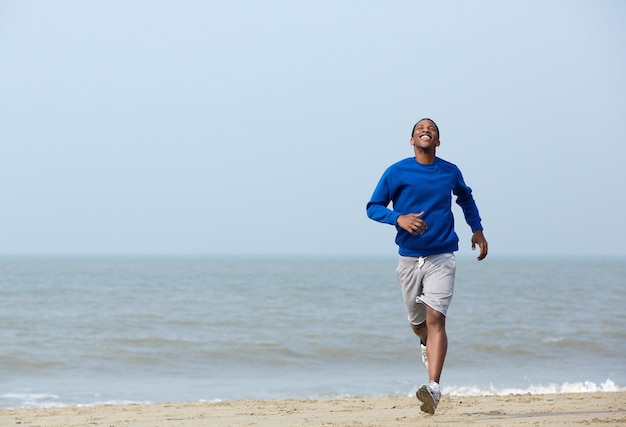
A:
{"x":412,"y":188}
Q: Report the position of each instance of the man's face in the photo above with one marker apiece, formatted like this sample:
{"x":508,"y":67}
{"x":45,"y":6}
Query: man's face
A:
{"x":425,"y":135}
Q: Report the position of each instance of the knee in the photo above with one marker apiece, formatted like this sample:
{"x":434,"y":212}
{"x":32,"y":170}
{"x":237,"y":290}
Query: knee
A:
{"x":420,"y":329}
{"x":435,"y":319}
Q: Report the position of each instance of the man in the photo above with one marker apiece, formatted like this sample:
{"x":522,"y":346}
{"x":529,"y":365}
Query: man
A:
{"x":421,"y":189}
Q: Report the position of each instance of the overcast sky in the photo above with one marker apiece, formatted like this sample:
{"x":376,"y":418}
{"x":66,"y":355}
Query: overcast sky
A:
{"x":262,"y":127}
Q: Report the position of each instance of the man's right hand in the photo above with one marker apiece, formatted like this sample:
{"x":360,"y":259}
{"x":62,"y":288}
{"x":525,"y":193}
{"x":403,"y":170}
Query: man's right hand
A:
{"x":412,"y":223}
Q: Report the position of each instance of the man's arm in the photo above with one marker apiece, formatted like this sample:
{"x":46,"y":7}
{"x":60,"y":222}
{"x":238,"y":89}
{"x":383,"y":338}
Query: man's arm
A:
{"x":377,"y":206}
{"x":466,"y":201}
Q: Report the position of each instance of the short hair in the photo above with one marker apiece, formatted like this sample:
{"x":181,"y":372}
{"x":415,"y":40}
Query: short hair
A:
{"x":432,"y":121}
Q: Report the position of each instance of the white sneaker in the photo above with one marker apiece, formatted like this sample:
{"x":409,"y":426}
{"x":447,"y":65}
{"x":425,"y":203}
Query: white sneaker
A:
{"x":429,"y":395}
{"x":424,"y":356}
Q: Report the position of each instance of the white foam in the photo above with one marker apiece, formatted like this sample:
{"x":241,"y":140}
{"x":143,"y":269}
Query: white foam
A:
{"x":26,"y":399}
{"x":578,"y":387}
{"x":49,"y":400}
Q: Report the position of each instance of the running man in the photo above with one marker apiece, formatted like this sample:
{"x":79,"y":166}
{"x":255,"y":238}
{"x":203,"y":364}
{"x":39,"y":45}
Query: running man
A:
{"x":421,"y":189}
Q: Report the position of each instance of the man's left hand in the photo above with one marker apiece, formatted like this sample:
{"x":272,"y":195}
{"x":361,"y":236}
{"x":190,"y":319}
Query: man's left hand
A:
{"x":478,"y":238}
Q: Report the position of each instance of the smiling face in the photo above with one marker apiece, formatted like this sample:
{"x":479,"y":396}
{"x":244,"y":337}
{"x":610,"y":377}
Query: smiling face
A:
{"x":425,"y":135}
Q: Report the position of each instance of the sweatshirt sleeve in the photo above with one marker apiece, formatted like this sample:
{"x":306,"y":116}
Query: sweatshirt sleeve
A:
{"x":466,"y":201}
{"x":377,"y":208}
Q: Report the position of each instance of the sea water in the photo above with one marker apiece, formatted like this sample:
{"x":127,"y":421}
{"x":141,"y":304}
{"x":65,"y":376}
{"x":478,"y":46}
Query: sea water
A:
{"x":85,"y":331}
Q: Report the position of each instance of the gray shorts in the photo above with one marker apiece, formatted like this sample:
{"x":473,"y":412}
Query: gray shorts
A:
{"x":426,"y":280}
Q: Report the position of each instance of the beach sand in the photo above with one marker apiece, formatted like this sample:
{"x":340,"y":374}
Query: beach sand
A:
{"x":606,"y":409}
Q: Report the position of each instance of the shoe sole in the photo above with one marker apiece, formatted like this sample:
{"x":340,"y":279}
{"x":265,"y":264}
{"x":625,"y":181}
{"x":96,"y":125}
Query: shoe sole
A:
{"x":427,"y":399}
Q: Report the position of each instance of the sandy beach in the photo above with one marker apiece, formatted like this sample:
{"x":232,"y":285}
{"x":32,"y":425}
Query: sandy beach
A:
{"x":607,"y":409}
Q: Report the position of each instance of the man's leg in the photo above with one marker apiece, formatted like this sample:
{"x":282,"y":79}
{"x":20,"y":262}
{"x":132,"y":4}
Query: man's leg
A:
{"x":436,"y":296}
{"x":435,"y":331}
{"x":437,"y":343}
{"x":421,"y":331}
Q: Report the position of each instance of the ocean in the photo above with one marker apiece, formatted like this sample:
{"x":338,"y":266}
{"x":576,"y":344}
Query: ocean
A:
{"x":114,"y":330}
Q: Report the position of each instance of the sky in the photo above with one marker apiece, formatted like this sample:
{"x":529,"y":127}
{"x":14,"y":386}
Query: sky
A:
{"x":261,"y":128}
